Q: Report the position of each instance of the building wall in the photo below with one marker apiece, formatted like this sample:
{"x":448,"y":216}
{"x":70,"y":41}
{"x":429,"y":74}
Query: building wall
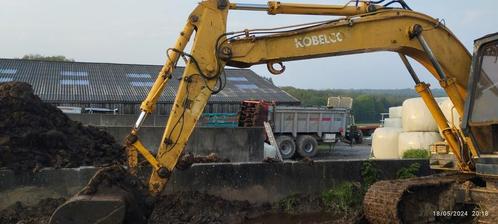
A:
{"x":234,"y":144}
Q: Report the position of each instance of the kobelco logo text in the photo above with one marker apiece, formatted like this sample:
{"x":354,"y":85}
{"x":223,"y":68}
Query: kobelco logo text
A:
{"x":320,"y":39}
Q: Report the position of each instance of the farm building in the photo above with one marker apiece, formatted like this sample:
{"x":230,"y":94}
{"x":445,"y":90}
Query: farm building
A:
{"x":124,"y":86}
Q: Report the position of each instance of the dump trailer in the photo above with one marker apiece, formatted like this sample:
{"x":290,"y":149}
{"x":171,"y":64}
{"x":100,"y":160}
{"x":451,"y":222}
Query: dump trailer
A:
{"x":300,"y":129}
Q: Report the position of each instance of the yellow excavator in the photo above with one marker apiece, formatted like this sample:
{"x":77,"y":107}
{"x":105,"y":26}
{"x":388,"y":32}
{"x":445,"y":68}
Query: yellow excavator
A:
{"x":115,"y":195}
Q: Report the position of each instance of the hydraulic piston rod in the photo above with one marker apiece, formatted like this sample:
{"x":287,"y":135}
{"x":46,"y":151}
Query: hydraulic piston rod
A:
{"x":417,"y":33}
{"x":249,"y":6}
{"x":275,"y":7}
{"x":448,"y":84}
{"x":450,"y":136}
{"x":409,"y":68}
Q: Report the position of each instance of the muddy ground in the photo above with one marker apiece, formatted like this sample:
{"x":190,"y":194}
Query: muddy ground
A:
{"x":39,"y":214}
{"x":34,"y":134}
{"x":195,"y":207}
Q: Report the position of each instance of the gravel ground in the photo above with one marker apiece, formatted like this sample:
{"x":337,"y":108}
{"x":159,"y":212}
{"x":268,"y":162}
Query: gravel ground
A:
{"x":343,"y":151}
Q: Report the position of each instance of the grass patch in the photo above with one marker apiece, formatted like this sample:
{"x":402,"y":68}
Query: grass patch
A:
{"x":289,"y":203}
{"x":408,"y":172}
{"x":369,"y":174}
{"x":416,"y":154}
{"x":344,"y":196}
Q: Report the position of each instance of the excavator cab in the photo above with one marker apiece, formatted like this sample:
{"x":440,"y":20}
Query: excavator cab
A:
{"x":480,"y":120}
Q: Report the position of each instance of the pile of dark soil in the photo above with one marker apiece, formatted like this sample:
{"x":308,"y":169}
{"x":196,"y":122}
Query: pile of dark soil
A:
{"x":39,"y":214}
{"x":195,"y":207}
{"x":34,"y":134}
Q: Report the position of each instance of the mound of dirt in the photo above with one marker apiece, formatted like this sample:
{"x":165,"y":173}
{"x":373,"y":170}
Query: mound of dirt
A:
{"x":38,"y":214}
{"x":196,"y":207}
{"x":34,"y":134}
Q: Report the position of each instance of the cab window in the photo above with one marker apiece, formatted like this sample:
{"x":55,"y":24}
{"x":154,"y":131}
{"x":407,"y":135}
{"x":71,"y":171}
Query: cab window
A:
{"x":485,"y":110}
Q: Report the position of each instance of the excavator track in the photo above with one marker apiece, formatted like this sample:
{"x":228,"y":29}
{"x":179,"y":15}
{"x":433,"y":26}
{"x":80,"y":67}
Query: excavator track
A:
{"x":411,"y":200}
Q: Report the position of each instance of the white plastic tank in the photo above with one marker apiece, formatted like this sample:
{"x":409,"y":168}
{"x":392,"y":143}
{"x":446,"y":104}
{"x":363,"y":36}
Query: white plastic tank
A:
{"x":395,"y":112}
{"x":385,"y":143}
{"x":417,"y":117}
{"x":393,"y":122}
{"x":417,"y":140}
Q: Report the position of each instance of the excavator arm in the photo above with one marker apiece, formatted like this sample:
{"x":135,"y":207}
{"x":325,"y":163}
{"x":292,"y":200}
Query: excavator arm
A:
{"x":199,"y":80}
{"x":366,"y":27}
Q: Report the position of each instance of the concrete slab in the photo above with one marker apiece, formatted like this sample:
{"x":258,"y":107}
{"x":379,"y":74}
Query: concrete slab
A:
{"x":235,"y":144}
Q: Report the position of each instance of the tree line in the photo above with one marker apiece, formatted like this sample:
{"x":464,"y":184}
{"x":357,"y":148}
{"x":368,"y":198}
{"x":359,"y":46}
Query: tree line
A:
{"x":46,"y":58}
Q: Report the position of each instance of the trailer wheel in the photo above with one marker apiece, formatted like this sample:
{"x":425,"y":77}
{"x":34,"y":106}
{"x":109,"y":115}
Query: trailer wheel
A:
{"x":287,"y":146}
{"x":307,"y":146}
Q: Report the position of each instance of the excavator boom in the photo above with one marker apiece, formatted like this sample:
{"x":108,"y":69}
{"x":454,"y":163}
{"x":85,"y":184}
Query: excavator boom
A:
{"x":373,"y":28}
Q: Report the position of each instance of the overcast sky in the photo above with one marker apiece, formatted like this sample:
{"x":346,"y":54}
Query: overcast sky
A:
{"x":138,"y":32}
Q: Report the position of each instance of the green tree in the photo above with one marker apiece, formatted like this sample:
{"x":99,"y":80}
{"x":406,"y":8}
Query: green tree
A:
{"x":46,"y":58}
{"x":365,"y":108}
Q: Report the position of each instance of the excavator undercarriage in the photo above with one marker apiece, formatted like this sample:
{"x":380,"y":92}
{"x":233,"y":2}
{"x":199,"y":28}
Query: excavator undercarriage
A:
{"x":442,"y":198}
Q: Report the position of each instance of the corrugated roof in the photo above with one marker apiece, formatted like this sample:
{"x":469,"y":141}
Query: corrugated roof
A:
{"x":83,"y":82}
